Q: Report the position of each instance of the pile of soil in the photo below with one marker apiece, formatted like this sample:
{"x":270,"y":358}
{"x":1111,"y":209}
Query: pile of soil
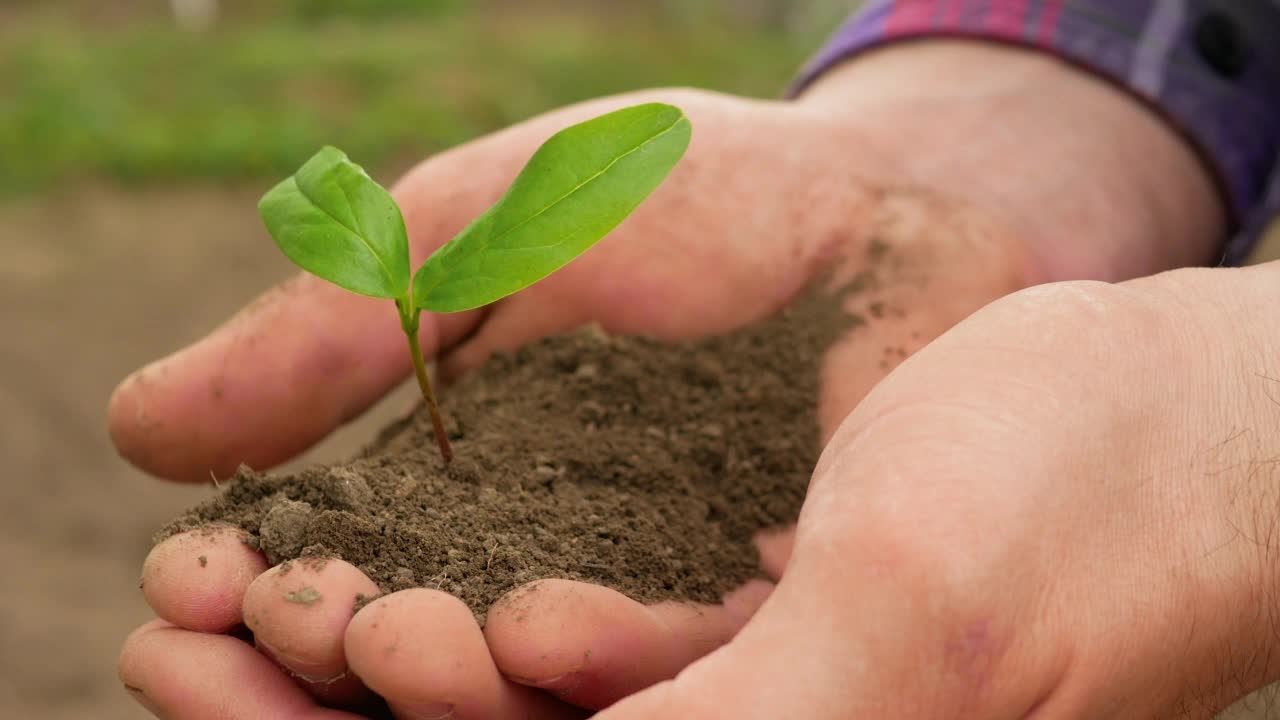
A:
{"x":621,"y":461}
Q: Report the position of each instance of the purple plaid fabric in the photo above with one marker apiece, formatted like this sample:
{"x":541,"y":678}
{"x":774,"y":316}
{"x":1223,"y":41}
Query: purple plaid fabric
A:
{"x":1212,"y":67}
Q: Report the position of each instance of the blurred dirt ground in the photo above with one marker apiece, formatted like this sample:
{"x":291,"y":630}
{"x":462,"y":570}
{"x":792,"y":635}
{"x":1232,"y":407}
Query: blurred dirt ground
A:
{"x":93,"y":284}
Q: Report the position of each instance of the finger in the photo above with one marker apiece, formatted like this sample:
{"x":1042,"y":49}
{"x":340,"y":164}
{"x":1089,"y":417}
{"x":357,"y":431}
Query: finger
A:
{"x":280,"y":375}
{"x":307,"y":355}
{"x":774,"y":546}
{"x":424,"y":653}
{"x":197,"y":580}
{"x":591,"y":645}
{"x":854,"y":364}
{"x":299,"y":613}
{"x":896,"y":647}
{"x":767,"y":671}
{"x":182,"y":675}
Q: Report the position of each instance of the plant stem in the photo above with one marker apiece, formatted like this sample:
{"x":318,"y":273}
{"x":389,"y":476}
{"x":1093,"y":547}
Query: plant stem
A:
{"x":437,"y":422}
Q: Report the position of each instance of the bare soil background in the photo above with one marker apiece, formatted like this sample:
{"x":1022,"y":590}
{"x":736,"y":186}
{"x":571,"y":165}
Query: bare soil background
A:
{"x":93,"y":283}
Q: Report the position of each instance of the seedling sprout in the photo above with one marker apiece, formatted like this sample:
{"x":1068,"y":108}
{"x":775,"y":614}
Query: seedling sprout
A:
{"x":332,"y":220}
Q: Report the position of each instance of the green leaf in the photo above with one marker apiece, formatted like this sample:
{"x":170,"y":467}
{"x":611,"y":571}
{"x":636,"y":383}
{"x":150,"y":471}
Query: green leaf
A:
{"x":334,"y":221}
{"x":576,"y":188}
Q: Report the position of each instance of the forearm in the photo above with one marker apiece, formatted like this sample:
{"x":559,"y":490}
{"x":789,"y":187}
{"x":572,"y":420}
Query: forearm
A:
{"x":1098,"y":184}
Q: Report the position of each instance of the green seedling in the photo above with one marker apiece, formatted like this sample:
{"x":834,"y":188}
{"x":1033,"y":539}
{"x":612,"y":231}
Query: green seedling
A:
{"x":332,"y":220}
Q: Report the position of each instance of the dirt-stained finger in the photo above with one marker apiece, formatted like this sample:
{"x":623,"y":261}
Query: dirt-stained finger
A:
{"x":423,"y":651}
{"x":591,"y":645}
{"x":197,"y":580}
{"x":299,"y":612}
{"x":178,"y":674}
{"x":276,"y":378}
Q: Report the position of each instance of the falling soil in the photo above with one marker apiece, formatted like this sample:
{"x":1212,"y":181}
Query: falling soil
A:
{"x":642,"y":466}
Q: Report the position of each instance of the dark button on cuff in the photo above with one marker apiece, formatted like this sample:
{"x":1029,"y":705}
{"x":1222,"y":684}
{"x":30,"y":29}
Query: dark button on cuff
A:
{"x":1219,"y":43}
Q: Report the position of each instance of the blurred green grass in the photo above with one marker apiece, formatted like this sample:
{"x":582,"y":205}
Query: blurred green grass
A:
{"x":144,"y":102}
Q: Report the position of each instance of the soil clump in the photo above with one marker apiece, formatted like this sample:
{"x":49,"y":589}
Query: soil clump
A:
{"x":643,"y":466}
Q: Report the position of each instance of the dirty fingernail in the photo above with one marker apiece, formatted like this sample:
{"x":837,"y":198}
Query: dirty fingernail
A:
{"x":567,"y":681}
{"x":323,"y":671}
{"x":140,"y":696}
{"x":425,"y":711}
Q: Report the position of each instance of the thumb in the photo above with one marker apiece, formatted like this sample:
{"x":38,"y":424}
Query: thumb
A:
{"x":867,"y":632}
{"x":307,"y":356}
{"x":272,"y":381}
{"x":297,"y":362}
{"x":772,"y":669}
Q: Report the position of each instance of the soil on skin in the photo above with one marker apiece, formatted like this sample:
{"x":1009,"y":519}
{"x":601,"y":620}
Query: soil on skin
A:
{"x":616,"y":460}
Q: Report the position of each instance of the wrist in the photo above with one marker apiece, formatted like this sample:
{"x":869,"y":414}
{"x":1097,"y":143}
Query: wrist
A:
{"x":1097,"y":184}
{"x":1244,"y":313}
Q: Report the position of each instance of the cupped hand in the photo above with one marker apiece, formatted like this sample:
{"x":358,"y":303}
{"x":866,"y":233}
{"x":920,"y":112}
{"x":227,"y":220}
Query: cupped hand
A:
{"x":739,"y":230}
{"x":1062,"y":508}
{"x":757,"y":209}
{"x":766,"y":201}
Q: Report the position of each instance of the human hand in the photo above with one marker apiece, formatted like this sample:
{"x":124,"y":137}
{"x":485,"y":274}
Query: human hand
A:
{"x":306,"y":357}
{"x":629,"y":645}
{"x":1065,"y":507}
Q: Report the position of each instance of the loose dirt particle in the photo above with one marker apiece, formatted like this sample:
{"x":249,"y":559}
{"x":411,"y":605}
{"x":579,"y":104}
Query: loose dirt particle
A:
{"x":306,"y":596}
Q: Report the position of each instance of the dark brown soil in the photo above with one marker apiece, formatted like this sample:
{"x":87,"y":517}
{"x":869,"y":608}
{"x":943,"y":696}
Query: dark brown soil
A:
{"x":616,"y":460}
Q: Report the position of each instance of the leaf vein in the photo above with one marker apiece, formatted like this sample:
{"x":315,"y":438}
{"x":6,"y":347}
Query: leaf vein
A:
{"x":584,"y":183}
{"x":391,"y":284}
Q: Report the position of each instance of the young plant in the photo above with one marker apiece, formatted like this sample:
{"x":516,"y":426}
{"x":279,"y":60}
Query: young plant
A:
{"x":332,"y":220}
